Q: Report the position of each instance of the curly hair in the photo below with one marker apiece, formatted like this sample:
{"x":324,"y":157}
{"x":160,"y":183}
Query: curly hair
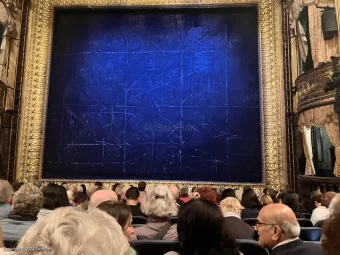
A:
{"x":159,"y":203}
{"x":208,"y":193}
{"x":68,"y":231}
{"x":28,"y":200}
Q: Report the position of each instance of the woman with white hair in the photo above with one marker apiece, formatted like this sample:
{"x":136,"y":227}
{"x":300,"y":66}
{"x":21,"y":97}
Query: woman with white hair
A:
{"x":234,"y":226}
{"x":68,"y":231}
{"x":159,"y":206}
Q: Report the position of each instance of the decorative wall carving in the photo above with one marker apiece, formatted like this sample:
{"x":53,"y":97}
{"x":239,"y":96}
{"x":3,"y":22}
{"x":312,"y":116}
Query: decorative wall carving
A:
{"x":35,"y":89}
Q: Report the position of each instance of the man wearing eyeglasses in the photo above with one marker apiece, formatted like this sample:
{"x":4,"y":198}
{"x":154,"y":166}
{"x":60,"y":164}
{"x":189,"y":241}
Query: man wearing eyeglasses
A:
{"x":279,"y":231}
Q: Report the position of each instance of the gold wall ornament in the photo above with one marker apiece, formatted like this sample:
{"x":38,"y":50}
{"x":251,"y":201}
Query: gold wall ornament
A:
{"x":36,"y":81}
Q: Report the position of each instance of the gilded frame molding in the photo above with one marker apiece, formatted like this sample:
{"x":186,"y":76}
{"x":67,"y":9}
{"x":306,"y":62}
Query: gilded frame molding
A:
{"x":37,"y":68}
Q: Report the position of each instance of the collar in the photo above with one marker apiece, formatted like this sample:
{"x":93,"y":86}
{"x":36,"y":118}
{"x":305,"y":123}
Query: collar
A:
{"x":231,"y":214}
{"x":285,"y":242}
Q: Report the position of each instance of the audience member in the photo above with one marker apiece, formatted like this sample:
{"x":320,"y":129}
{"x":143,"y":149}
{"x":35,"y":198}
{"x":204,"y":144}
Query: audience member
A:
{"x":74,"y":190}
{"x":102,"y":196}
{"x":334,"y":206}
{"x":27,"y":202}
{"x":16,"y":185}
{"x":238,"y":193}
{"x":273,"y":194}
{"x":292,"y":201}
{"x":55,"y":196}
{"x":279,"y":231}
{"x":228,"y":193}
{"x":142,"y":192}
{"x":92,"y":189}
{"x":6,"y":193}
{"x":234,"y":226}
{"x":331,"y":232}
{"x":132,"y":195}
{"x":68,"y":231}
{"x":265,"y":199}
{"x":315,"y":198}
{"x":175,"y":193}
{"x":123,"y":193}
{"x":208,"y":193}
{"x":321,"y":212}
{"x":184,"y":194}
{"x":122,"y":213}
{"x":251,"y":204}
{"x":65,"y":185}
{"x":159,"y":206}
{"x":99,"y":184}
{"x":201,"y":230}
{"x":84,"y":188}
{"x":38,"y":183}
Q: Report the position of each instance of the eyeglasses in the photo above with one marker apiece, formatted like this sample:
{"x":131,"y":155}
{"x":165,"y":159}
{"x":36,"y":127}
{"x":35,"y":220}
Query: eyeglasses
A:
{"x":258,"y":223}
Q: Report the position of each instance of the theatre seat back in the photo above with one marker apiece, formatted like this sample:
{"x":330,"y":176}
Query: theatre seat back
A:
{"x":154,"y":247}
{"x":139,"y":220}
{"x":310,"y":233}
{"x":251,"y":247}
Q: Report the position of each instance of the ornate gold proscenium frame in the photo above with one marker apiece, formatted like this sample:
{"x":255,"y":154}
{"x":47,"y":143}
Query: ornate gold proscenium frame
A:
{"x":37,"y":69}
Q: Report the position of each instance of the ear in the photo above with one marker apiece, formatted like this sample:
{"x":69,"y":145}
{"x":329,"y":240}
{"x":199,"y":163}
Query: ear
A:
{"x":277,"y":234}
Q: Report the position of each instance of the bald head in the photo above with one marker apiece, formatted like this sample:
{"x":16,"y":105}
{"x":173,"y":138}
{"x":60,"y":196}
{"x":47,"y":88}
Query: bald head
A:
{"x":174,"y":191}
{"x":327,"y":198}
{"x":102,"y":196}
{"x":277,"y":223}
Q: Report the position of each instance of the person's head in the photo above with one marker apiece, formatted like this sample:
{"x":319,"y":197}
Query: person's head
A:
{"x":200,"y":228}
{"x":114,"y":186}
{"x":74,"y":189}
{"x":27,"y":201}
{"x":38,"y":183}
{"x":316,"y":197}
{"x":330,"y":239}
{"x":291,"y":200}
{"x":84,"y":188}
{"x":55,"y":196}
{"x":159,"y":203}
{"x":276,"y":223}
{"x":16,"y":185}
{"x":99,"y":184}
{"x":193,"y":189}
{"x":102,"y":196}
{"x":250,"y":199}
{"x":6,"y":192}
{"x":122,"y":213}
{"x":92,"y":189}
{"x":132,"y":193}
{"x":228,"y":193}
{"x":327,"y":198}
{"x":123,"y":192}
{"x":208,"y":193}
{"x":174,"y":191}
{"x":265,"y":199}
{"x":334,"y":206}
{"x":184,"y":192}
{"x":141,"y":186}
{"x":65,"y":185}
{"x":69,"y":231}
{"x":231,"y":204}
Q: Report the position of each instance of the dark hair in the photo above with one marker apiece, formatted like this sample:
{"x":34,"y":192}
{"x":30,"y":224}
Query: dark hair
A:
{"x":99,"y":184}
{"x":291,"y":200}
{"x":114,"y":186}
{"x":250,"y":199}
{"x":121,"y":212}
{"x":184,"y":192}
{"x":273,"y":193}
{"x":80,"y":198}
{"x":141,"y":186}
{"x":64,"y":183}
{"x":132,"y":193}
{"x":55,"y":196}
{"x":200,"y":229}
{"x":193,"y":189}
{"x":16,"y":185}
{"x":84,"y":188}
{"x":228,"y":193}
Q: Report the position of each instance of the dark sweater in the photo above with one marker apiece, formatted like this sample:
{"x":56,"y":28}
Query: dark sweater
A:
{"x":298,"y":247}
{"x":237,"y":228}
{"x":136,"y":211}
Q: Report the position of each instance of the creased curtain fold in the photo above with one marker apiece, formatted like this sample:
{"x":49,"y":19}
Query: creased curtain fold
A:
{"x":307,"y":148}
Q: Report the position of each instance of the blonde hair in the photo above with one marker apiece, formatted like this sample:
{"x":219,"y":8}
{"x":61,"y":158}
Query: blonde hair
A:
{"x":68,"y":231}
{"x":6,"y":191}
{"x":28,"y":200}
{"x":265,"y":199}
{"x":160,"y":203}
{"x":231,"y":204}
